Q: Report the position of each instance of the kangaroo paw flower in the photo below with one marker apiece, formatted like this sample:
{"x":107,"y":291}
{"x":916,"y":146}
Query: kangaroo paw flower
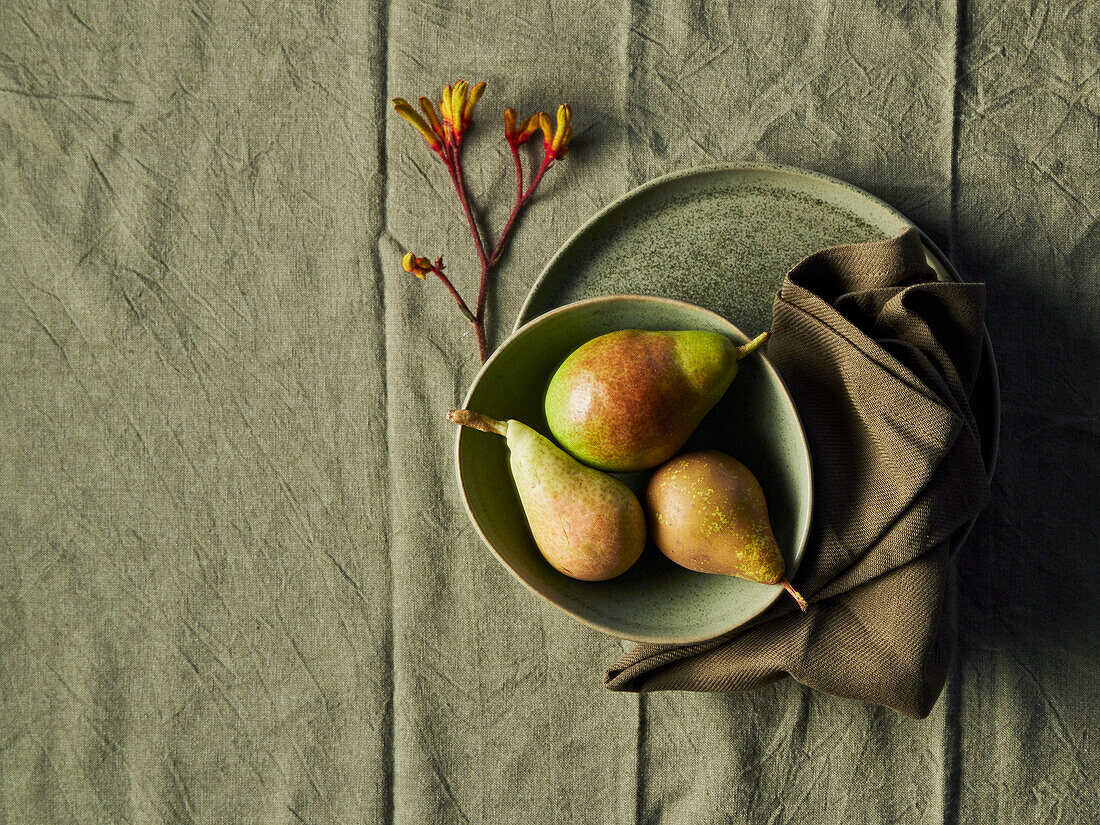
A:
{"x":418,"y":266}
{"x":443,"y":130}
{"x":409,"y":113}
{"x":521,"y":133}
{"x":556,"y":142}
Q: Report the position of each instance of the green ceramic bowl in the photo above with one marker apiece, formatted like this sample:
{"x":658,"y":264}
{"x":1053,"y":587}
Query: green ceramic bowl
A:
{"x":656,"y":600}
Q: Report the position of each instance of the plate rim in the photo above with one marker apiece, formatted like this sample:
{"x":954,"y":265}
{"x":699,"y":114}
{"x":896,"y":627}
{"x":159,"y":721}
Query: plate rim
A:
{"x":523,"y":317}
{"x":803,"y":539}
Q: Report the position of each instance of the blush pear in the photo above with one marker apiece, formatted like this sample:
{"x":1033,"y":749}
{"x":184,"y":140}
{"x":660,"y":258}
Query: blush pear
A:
{"x":630,"y":399}
{"x":585,"y":523}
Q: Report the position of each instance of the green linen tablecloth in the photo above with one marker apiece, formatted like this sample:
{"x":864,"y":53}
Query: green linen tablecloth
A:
{"x":236,"y":581}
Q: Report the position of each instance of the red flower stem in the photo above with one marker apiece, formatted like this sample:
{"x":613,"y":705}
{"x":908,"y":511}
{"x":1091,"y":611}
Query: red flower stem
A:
{"x":547,"y":162}
{"x":521,"y":200}
{"x":482,"y":341}
{"x":451,"y":288}
{"x":450,"y":158}
{"x":459,"y":179}
{"x":479,"y":326}
{"x":519,"y":170}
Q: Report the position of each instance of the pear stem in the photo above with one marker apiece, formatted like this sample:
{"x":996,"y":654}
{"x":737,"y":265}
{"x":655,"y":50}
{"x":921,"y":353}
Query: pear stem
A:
{"x":468,"y":418}
{"x":786,"y":585}
{"x":745,"y":349}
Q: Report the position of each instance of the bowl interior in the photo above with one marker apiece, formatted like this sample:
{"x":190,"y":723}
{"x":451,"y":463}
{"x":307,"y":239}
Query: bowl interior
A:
{"x":655,"y":600}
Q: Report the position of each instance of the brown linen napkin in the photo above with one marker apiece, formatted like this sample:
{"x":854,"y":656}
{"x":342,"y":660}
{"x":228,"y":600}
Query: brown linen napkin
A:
{"x":880,"y":360}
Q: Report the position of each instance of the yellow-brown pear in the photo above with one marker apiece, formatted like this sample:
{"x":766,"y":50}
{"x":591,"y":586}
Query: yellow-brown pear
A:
{"x":707,"y":513}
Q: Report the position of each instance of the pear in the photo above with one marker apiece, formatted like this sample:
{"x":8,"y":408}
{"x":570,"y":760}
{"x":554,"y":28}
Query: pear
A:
{"x":586,"y":524}
{"x":707,"y":513}
{"x":628,"y":400}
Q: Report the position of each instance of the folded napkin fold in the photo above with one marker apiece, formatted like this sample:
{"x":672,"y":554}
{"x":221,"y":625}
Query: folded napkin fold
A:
{"x":881,"y":360}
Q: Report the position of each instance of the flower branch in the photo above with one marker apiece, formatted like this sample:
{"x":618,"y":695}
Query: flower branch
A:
{"x":443,"y":131}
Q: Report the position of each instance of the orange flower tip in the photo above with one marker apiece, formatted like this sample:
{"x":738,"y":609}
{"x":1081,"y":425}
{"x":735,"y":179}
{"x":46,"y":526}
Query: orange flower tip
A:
{"x":510,"y":124}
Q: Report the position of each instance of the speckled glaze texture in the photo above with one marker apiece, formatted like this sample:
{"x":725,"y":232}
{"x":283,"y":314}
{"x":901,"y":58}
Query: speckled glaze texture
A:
{"x":655,"y":600}
{"x":722,"y":240}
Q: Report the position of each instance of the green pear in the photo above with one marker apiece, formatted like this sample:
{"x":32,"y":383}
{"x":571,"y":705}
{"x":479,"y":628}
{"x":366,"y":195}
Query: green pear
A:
{"x":587,"y":524}
{"x":629,"y":400}
{"x":707,"y":513}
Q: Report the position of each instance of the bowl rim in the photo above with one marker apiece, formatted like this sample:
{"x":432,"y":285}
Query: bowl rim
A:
{"x":800,"y":542}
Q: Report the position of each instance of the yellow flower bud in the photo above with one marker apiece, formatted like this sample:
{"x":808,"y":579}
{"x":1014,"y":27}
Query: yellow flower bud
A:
{"x":406,"y":111}
{"x":445,"y":105}
{"x":510,"y":123}
{"x":529,"y":127}
{"x":417,"y":266}
{"x":564,"y":116}
{"x":433,"y":119}
{"x":475,"y":96}
{"x":547,"y":129}
{"x":564,"y":148}
{"x":458,"y":104}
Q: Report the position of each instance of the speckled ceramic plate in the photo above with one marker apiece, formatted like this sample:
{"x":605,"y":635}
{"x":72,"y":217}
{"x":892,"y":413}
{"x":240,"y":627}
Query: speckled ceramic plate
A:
{"x":723,"y":237}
